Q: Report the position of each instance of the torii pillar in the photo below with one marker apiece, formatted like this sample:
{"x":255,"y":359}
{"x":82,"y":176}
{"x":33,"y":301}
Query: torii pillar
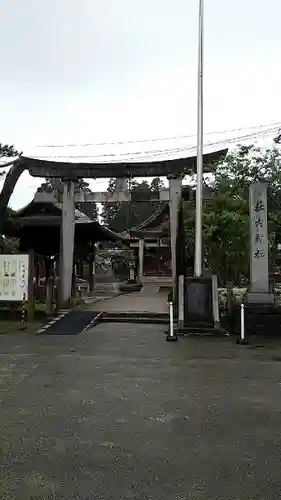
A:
{"x":67,"y":243}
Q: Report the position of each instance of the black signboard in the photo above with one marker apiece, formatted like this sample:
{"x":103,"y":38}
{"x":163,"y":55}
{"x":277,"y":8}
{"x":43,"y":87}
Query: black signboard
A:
{"x":198,"y":301}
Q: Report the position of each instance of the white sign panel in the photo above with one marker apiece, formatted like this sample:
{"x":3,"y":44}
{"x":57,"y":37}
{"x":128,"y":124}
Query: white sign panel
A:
{"x":13,"y":277}
{"x":259,"y":237}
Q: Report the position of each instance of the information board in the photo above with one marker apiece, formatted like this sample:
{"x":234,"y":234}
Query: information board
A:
{"x":13,"y":277}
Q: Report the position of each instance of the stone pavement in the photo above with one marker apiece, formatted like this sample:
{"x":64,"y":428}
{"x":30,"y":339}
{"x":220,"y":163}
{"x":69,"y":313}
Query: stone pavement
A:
{"x":118,"y":413}
{"x":149,"y":300}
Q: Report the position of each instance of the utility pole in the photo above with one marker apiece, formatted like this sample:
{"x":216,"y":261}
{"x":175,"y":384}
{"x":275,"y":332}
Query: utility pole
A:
{"x":200,"y":139}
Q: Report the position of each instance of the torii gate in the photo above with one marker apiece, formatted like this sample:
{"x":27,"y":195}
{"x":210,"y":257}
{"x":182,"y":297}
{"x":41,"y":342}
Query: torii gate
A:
{"x":173,"y":169}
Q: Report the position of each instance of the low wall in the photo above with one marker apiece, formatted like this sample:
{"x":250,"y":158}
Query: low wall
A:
{"x":239,"y":295}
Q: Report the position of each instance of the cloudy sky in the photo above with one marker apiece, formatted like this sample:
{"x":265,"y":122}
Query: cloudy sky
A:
{"x":85,"y":71}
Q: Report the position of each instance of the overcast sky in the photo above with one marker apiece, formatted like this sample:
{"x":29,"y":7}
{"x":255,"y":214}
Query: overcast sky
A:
{"x":77,"y":71}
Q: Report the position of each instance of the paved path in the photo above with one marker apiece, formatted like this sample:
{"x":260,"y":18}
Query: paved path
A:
{"x":118,"y":413}
{"x":150,"y":300}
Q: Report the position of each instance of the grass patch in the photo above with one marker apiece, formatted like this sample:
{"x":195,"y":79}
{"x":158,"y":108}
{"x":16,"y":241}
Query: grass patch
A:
{"x":14,"y":327}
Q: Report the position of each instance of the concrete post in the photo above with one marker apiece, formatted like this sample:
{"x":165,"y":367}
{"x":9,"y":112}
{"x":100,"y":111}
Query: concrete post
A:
{"x":141,"y":259}
{"x":259,"y":287}
{"x":67,"y":243}
{"x":175,"y":184}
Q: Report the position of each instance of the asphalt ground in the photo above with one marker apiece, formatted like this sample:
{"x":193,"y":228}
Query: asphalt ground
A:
{"x":119,"y":413}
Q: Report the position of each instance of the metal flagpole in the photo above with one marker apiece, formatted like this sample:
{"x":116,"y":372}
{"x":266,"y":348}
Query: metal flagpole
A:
{"x":199,"y":184}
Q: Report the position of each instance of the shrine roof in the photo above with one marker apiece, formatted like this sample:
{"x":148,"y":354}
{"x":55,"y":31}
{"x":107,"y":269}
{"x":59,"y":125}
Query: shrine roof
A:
{"x":151,"y":226}
{"x":152,"y":223}
{"x":163,"y":163}
{"x":49,"y":215}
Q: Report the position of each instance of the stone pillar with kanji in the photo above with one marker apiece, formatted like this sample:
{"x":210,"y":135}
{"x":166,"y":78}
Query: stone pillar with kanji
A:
{"x":259,"y":292}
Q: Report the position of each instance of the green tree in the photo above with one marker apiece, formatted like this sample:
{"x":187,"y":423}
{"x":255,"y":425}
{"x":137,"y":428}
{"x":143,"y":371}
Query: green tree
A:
{"x":110,"y":211}
{"x":250,"y":164}
{"x":245,"y":165}
{"x":10,"y":244}
{"x":157,"y":184}
{"x":55,"y":185}
{"x":226,"y":217}
{"x":7,"y":151}
{"x":121,"y":216}
{"x":11,"y":223}
{"x":226,"y":239}
{"x":9,"y":241}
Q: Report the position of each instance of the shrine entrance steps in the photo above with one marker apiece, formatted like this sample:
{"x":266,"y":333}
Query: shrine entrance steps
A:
{"x":149,"y":306}
{"x":137,"y":317}
{"x":160,"y":281}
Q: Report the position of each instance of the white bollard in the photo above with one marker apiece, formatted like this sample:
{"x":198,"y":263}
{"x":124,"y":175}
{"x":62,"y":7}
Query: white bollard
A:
{"x":171,"y":337}
{"x":181,"y":303}
{"x":242,"y":322}
{"x":171,"y":309}
{"x":242,"y":339}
